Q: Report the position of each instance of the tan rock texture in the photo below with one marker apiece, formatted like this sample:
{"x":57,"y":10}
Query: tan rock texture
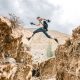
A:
{"x":68,"y":58}
{"x":16,"y":58}
{"x":15,"y":61}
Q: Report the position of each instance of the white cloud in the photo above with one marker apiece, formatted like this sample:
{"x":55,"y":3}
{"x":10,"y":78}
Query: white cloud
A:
{"x":64,"y":14}
{"x":69,"y":16}
{"x":70,"y":10}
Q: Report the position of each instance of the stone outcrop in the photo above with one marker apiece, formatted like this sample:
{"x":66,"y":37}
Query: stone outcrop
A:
{"x":68,"y":58}
{"x":45,"y":70}
{"x":15,"y":60}
{"x":48,"y":68}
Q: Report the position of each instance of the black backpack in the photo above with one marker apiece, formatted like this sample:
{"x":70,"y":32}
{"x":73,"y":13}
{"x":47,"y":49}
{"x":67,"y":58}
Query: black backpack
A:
{"x":45,"y":24}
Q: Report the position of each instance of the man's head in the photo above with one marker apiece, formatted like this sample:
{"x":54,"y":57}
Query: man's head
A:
{"x":39,"y":18}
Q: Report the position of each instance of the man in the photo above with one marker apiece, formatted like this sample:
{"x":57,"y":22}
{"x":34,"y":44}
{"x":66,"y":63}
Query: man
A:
{"x":44,"y":28}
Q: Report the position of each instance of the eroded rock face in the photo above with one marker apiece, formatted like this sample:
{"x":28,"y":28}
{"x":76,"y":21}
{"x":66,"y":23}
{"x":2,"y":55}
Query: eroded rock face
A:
{"x":45,"y":70}
{"x":48,"y":67}
{"x":15,"y":61}
{"x":68,"y":58}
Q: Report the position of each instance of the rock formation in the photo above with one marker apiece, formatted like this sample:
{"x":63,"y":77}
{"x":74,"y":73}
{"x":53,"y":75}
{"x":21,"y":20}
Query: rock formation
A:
{"x":68,"y":58}
{"x":45,"y":70}
{"x":15,"y":61}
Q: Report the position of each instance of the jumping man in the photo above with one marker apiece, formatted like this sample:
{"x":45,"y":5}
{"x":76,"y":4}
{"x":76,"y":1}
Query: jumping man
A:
{"x":44,"y":28}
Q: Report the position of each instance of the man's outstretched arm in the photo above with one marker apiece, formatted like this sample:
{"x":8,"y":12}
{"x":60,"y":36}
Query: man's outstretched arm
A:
{"x":37,"y":24}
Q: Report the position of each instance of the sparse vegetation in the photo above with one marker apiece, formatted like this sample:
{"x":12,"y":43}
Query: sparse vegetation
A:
{"x":15,"y":21}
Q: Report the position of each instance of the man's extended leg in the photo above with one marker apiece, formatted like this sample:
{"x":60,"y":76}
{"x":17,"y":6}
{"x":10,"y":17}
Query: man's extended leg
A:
{"x":36,"y":31}
{"x":48,"y":36}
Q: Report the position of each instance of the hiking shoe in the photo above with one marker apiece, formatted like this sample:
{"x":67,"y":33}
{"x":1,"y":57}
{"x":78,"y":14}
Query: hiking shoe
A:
{"x":56,"y":40}
{"x":28,"y":39}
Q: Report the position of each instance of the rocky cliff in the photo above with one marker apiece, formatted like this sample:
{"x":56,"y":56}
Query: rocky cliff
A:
{"x":15,"y":59}
{"x":68,"y":58}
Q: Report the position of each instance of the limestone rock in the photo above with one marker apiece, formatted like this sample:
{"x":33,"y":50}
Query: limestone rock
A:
{"x":45,"y":70}
{"x":68,"y":58}
{"x":15,"y":60}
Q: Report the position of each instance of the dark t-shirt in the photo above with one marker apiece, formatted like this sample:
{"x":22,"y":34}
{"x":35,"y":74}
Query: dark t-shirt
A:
{"x":45,"y":24}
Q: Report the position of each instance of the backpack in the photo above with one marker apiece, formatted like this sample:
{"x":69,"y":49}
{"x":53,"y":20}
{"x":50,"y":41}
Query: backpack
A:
{"x":45,"y":25}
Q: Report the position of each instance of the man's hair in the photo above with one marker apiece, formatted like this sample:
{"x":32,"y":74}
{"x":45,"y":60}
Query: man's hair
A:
{"x":38,"y":17}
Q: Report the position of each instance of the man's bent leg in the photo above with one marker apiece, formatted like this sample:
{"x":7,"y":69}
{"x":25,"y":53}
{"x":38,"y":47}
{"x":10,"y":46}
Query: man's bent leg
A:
{"x":34,"y":32}
{"x":47,"y":35}
{"x":37,"y":31}
{"x":45,"y":32}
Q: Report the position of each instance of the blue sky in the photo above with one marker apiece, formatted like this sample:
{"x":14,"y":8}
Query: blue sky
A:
{"x":64,"y":14}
